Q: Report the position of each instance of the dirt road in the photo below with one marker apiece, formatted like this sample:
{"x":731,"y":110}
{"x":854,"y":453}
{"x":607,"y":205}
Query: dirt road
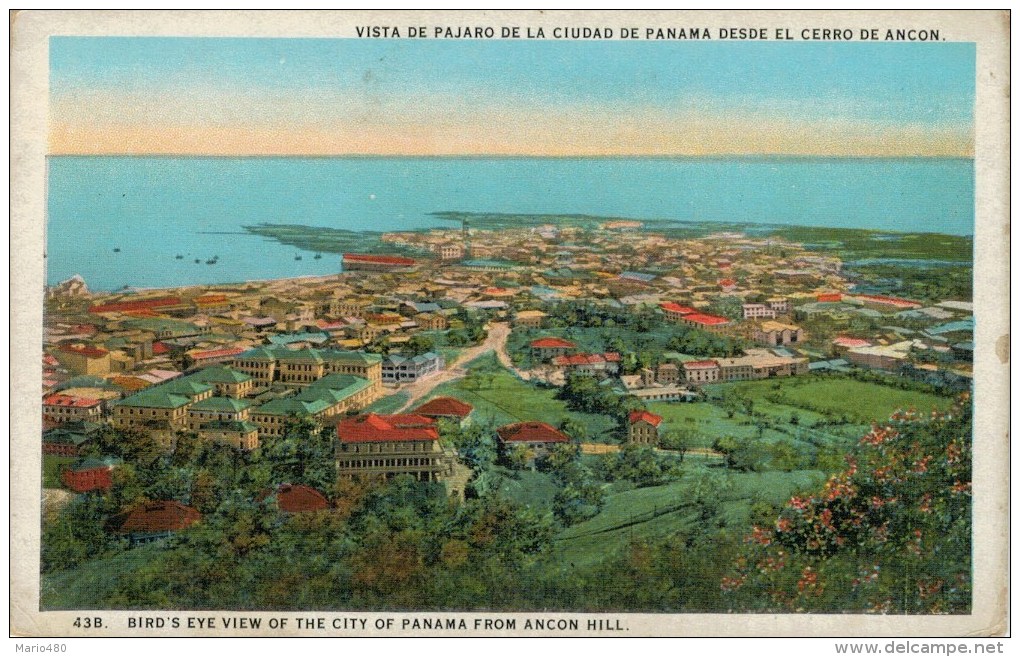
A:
{"x":495,"y":341}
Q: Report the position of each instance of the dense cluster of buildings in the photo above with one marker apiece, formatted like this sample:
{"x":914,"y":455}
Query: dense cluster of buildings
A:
{"x":236,"y":364}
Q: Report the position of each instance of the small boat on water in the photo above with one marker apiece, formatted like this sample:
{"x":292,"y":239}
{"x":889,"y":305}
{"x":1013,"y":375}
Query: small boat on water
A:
{"x":116,"y":249}
{"x":210,"y":262}
{"x":318,"y":256}
{"x":198,"y":260}
{"x":297,"y":257}
{"x":180,"y":257}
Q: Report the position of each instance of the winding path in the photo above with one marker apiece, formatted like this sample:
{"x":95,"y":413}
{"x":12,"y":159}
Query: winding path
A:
{"x":495,"y":341}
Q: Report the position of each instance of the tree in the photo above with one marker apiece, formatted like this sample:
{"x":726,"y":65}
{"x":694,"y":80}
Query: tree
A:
{"x":678,"y":440}
{"x":420,"y":344}
{"x":577,"y":430}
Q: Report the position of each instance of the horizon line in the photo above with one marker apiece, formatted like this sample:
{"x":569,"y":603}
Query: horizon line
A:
{"x":505,"y":156}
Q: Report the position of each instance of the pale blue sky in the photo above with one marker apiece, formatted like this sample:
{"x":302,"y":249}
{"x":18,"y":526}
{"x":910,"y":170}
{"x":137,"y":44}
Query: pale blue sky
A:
{"x":920,"y":86}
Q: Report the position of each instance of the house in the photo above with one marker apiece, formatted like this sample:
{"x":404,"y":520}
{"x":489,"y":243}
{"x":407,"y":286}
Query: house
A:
{"x":83,"y":359}
{"x":226,"y":381}
{"x":446,"y":408}
{"x":667,"y":374}
{"x":387,"y":446}
{"x":296,"y":498}
{"x":843,"y":343}
{"x":777,"y":333}
{"x":400,"y":369}
{"x":161,"y":304}
{"x":68,"y":438}
{"x":431,"y":322}
{"x":375,"y":263}
{"x":239,"y":434}
{"x":217,"y":409}
{"x":704,"y":321}
{"x":758,"y":311}
{"x":760,"y":364}
{"x":886,"y":304}
{"x":779,"y":304}
{"x":530,"y":319}
{"x":643,"y":428}
{"x":701,"y":371}
{"x":89,"y":475}
{"x":591,"y":364}
{"x":881,"y":357}
{"x":152,"y":407}
{"x":727,"y":285}
{"x":205,"y":357}
{"x":302,"y":367}
{"x":547,"y":348}
{"x":329,"y":397}
{"x":61,"y":407}
{"x":674,"y":312}
{"x":537,"y":437}
{"x":153,"y":521}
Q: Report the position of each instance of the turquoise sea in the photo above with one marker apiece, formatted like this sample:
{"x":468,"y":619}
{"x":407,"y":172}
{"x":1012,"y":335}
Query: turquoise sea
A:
{"x":155,"y":208}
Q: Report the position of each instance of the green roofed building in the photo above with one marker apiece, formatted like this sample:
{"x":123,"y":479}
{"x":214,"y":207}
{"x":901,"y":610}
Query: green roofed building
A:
{"x":152,"y":406}
{"x":330,"y":397}
{"x":240,"y":434}
{"x":303,"y":367}
{"x":188,"y":387}
{"x":228,"y":382}
{"x":217,"y":409}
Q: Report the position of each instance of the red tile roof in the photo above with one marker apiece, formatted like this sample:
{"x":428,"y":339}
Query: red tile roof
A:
{"x":154,"y":517}
{"x":211,"y":298}
{"x":830,"y":298}
{"x":83,"y":350}
{"x":68,"y":400}
{"x":296,"y":498}
{"x":727,"y":282}
{"x":372,"y":428}
{"x":850,"y":342}
{"x":158,"y":349}
{"x":128,"y":306}
{"x":217,"y":353}
{"x":677,"y":308}
{"x":700,"y":364}
{"x":82,"y":481}
{"x":445,"y":407}
{"x":892,"y":301}
{"x":377,"y":259}
{"x":707,"y":320}
{"x":650,"y":418}
{"x":587,"y":359}
{"x":530,"y":432}
{"x":551,"y":343}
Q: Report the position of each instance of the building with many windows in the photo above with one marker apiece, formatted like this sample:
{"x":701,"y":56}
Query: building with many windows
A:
{"x":385,"y":446}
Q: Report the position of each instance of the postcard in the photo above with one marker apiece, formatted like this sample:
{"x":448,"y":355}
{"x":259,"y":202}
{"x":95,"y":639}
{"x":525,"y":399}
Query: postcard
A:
{"x":484,"y":324}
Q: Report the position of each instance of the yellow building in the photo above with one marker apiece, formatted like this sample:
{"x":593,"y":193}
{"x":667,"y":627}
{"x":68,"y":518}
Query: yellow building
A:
{"x":83,"y":359}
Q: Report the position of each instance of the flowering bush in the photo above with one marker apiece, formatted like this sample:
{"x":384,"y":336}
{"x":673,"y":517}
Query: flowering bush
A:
{"x":889,"y":534}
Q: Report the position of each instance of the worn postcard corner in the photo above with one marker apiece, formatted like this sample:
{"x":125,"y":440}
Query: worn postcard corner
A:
{"x":509,"y":324}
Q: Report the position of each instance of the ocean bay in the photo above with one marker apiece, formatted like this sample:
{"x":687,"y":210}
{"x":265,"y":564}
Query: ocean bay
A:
{"x":153,"y":209}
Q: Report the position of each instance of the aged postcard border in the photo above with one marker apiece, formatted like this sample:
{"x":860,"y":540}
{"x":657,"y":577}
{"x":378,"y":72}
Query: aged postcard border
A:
{"x":29,"y":71}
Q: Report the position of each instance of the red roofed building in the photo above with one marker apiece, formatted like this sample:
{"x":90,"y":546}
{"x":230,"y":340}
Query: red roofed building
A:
{"x":537,"y":437}
{"x":371,"y":262}
{"x":886,"y":304}
{"x":83,"y":359}
{"x":89,"y":475}
{"x":675,"y":312}
{"x":643,"y":428}
{"x":446,"y":407}
{"x":201,"y":358}
{"x":701,"y":371}
{"x":834,"y":297}
{"x":159,"y":349}
{"x":212,"y":303}
{"x":153,"y":521}
{"x":704,"y":322}
{"x":296,"y":498}
{"x":728,"y":284}
{"x":844,"y":343}
{"x":65,"y":408}
{"x":546,"y":348}
{"x":163,"y":304}
{"x":595,"y":364}
{"x":385,"y":446}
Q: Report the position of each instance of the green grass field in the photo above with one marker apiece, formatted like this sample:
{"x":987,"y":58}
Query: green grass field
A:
{"x":861,"y":401}
{"x":659,"y":511}
{"x":388,"y":404}
{"x":502,"y":398}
